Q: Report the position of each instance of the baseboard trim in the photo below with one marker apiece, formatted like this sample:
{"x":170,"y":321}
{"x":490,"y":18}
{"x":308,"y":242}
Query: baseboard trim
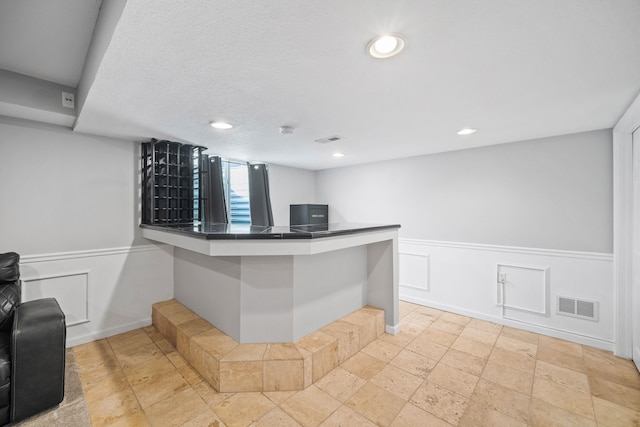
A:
{"x":597,"y":256}
{"x":556,"y":333}
{"x":72,"y":342}
{"x":60,"y":256}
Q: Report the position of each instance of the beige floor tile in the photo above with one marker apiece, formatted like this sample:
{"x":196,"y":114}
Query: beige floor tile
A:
{"x":139,"y":374}
{"x":134,"y":339}
{"x":434,"y":313}
{"x":438,"y":336}
{"x":605,"y":365}
{"x":516,"y":345}
{"x":209,"y":395}
{"x":106,"y":386}
{"x":413,"y":363}
{"x":448,"y":327}
{"x":559,"y":358}
{"x":137,"y":355}
{"x":405,"y":308}
{"x":299,"y":406}
{"x":176,"y":409}
{"x":418,"y":320}
{"x":206,"y":418}
{"x":564,"y":376}
{"x":363,"y":365}
{"x":397,"y":381}
{"x":485,"y":337}
{"x":412,"y":329}
{"x":276,"y":418}
{"x":376,"y":404}
{"x":340,"y":383}
{"x":556,"y":344}
{"x":378,"y":313}
{"x":412,"y":416}
{"x":483,"y":325}
{"x":190,"y":374}
{"x":242,"y":409}
{"x":153,"y":333}
{"x":563,"y":397}
{"x":165,"y":346}
{"x":278,"y":397}
{"x":509,"y":377}
{"x":613,"y":415}
{"x":93,"y":351}
{"x":188,"y":329}
{"x":95,"y":370}
{"x":382,"y":350}
{"x":424,"y":346}
{"x":453,"y":379}
{"x":472,"y":347}
{"x":401,"y":339}
{"x":502,"y":399}
{"x":455,"y":318}
{"x":169,"y":307}
{"x":613,"y":392}
{"x":136,"y":419}
{"x":545,"y":415}
{"x":345,"y":416}
{"x":465,"y":362}
{"x":478,"y":414}
{"x":109,"y":410}
{"x":519,"y":334}
{"x":439,"y":401}
{"x":177,"y":359}
{"x":516,"y":360}
{"x":159,"y":388}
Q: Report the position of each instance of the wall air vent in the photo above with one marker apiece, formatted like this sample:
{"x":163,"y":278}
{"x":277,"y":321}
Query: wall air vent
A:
{"x":577,"y":308}
{"x":328,"y":139}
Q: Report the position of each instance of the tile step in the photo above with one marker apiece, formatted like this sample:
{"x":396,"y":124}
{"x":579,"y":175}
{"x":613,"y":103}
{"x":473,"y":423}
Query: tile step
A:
{"x":233,"y":367}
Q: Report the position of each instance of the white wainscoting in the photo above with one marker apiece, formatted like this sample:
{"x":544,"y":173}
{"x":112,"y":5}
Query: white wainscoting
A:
{"x":465,"y":278}
{"x":102,"y":292}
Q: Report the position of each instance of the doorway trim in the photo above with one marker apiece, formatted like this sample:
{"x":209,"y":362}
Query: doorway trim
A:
{"x":622,"y":227}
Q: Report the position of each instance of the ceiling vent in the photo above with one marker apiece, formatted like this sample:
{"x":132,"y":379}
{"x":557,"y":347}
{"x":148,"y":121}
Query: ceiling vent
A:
{"x":328,"y":139}
{"x":577,"y":308}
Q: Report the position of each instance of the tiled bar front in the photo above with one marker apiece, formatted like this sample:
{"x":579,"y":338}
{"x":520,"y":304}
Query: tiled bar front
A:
{"x":232,"y":367}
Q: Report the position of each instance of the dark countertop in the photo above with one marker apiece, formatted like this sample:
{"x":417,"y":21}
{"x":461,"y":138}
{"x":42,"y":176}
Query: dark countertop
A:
{"x":217,"y":231}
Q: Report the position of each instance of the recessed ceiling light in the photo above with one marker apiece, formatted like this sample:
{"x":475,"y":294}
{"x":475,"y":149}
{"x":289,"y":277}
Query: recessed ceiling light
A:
{"x":385,"y":46}
{"x":338,"y":155}
{"x":221,"y":125}
{"x":466,"y":131}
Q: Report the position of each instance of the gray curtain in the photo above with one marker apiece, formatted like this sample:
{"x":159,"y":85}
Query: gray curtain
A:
{"x":259,"y":199}
{"x":215,"y":204}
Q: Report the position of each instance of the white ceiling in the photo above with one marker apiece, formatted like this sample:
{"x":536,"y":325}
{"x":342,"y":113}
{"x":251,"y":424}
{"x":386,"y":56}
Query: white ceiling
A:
{"x":514,"y":70}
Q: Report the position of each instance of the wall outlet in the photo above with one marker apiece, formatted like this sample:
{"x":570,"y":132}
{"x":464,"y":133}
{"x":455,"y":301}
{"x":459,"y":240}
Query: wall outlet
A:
{"x":68,"y":100}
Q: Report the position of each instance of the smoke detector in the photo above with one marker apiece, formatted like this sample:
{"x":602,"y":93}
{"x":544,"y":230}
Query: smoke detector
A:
{"x":328,"y":139}
{"x":286,"y":130}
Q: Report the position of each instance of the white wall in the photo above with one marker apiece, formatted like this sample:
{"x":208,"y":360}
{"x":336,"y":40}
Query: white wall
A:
{"x":70,"y":208}
{"x":543,"y":203}
{"x":553,"y":193}
{"x":289,"y":186}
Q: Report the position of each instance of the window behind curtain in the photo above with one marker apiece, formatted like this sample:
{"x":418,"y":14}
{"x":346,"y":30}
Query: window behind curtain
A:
{"x":236,"y":182}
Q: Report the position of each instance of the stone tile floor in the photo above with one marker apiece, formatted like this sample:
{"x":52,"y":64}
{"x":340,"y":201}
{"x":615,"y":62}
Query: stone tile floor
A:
{"x":442,"y":369}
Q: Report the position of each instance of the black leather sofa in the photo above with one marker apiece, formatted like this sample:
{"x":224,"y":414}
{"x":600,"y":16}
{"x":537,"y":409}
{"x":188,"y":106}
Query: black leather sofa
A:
{"x":32,"y":348}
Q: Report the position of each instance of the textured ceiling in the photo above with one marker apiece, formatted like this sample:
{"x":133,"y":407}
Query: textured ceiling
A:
{"x":46,"y":39}
{"x":514,"y":70}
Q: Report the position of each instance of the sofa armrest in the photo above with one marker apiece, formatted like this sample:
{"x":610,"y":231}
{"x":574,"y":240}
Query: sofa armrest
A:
{"x":38,"y":345}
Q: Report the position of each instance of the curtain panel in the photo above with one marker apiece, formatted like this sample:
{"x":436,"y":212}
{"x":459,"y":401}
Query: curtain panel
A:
{"x":259,"y":198}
